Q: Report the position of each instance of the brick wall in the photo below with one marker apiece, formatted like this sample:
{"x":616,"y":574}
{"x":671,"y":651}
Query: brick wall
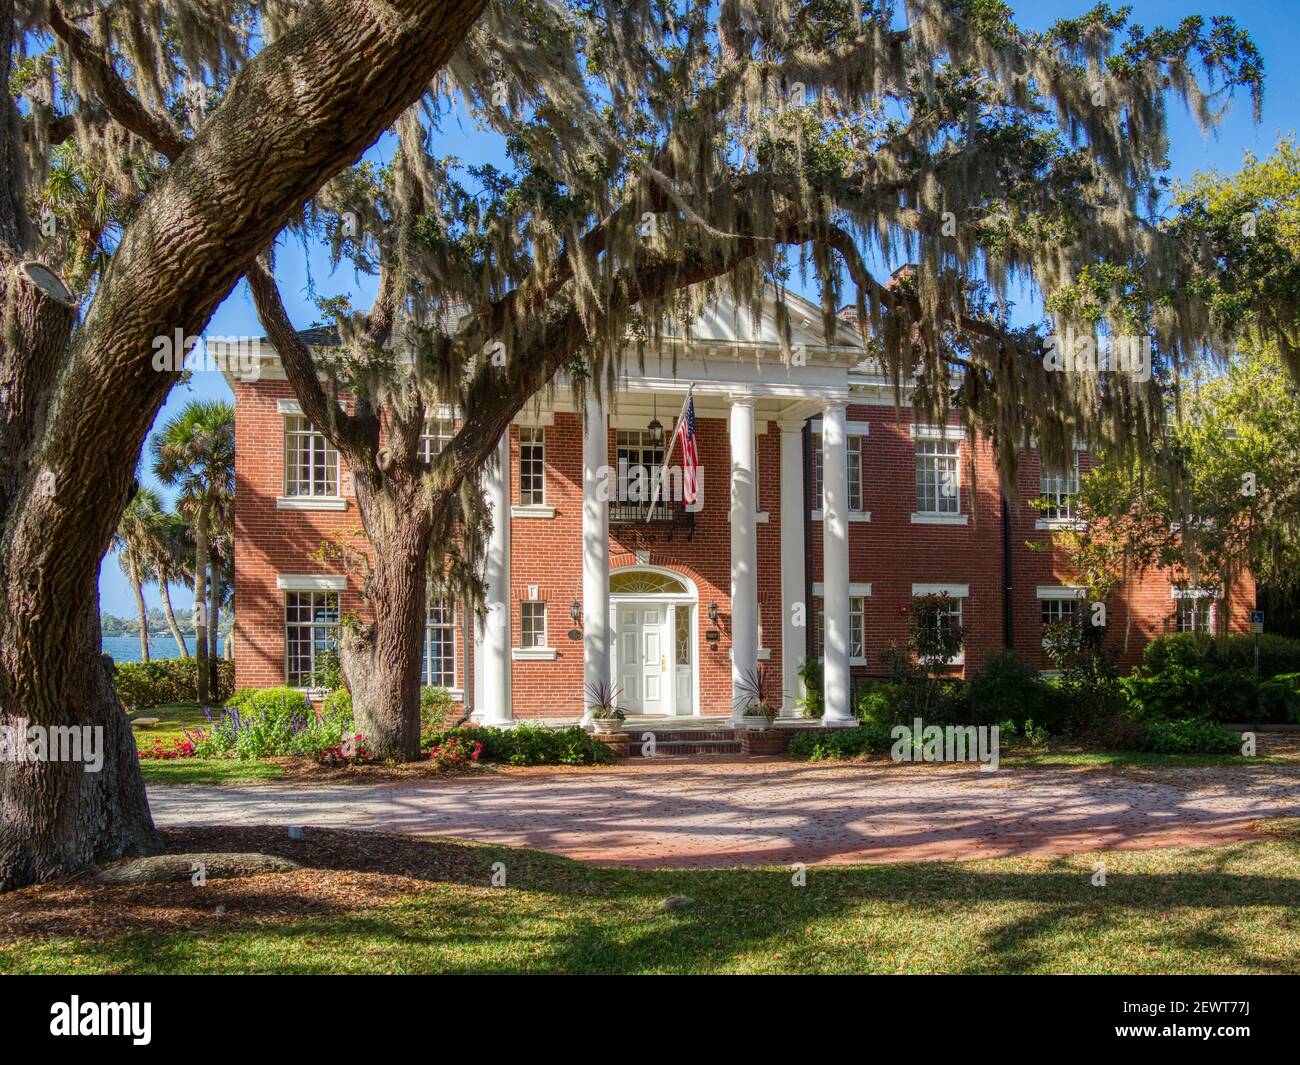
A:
{"x":889,"y":551}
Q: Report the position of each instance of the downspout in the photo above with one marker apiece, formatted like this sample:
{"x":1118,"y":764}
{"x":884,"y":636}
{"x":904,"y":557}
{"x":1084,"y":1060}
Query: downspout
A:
{"x":1008,"y":578}
{"x":810,"y":619}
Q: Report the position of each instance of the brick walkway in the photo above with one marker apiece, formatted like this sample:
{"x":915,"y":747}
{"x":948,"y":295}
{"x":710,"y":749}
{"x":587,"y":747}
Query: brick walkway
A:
{"x":716,"y":813}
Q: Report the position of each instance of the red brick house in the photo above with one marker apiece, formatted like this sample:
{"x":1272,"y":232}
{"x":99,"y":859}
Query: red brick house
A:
{"x":823,"y":511}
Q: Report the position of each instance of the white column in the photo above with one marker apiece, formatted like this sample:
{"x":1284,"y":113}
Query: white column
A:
{"x":835,"y":566}
{"x":793,"y":562}
{"x":744,"y":549}
{"x":595,"y":551}
{"x":496,"y":572}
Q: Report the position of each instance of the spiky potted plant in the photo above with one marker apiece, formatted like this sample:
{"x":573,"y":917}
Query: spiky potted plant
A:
{"x":602,"y":704}
{"x":756,"y":700}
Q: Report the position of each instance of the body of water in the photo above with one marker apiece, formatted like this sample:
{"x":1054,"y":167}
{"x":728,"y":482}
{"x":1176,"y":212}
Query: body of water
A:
{"x":127,"y":648}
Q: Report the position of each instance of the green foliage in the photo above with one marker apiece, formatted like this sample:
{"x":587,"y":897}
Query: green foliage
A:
{"x":1192,"y":650}
{"x":1009,"y":688}
{"x":813,"y":703}
{"x":436,"y":706}
{"x":529,"y":745}
{"x":269,"y":722}
{"x":1190,"y":736}
{"x":328,"y":674}
{"x":141,"y":685}
{"x":817,"y":745}
{"x":880,"y":703}
{"x":1192,"y":675}
{"x":1089,"y":686}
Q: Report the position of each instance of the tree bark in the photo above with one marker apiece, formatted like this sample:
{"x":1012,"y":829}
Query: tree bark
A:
{"x":201,"y":601}
{"x":140,"y":607}
{"x":381,"y":659}
{"x":307,"y":105}
{"x":177,"y":634}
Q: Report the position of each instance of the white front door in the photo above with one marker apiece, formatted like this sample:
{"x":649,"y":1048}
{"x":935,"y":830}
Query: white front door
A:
{"x":644,"y":658}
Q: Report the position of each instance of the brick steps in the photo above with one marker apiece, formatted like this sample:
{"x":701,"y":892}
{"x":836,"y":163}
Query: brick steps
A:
{"x":670,"y":742}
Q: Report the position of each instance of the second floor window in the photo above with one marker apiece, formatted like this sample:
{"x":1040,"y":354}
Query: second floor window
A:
{"x":437,"y":435}
{"x":1056,"y":492}
{"x":311,"y":465}
{"x":532,"y":467}
{"x":938,"y":487}
{"x":853,"y":448}
{"x":532,"y":624}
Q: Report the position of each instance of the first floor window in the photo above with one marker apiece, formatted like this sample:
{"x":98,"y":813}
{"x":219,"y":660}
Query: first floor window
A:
{"x":938,"y":487}
{"x":1195,"y":614}
{"x":857,"y":629}
{"x":532,"y":467}
{"x":439,"y":668}
{"x":532,"y":624}
{"x":1058,"y":611}
{"x":311,"y":465}
{"x":311,"y":627}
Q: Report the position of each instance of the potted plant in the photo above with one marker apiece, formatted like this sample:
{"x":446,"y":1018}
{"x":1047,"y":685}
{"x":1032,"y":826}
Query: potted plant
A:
{"x":756,"y":701}
{"x":602,"y":704}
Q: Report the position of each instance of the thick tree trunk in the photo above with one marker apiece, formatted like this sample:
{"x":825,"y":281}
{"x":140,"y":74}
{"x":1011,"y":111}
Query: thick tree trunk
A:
{"x":177,"y":634}
{"x":140,"y":608}
{"x":381,"y":659}
{"x":201,"y":601}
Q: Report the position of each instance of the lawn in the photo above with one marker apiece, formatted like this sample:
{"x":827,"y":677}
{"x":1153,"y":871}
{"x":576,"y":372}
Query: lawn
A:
{"x":207,"y":770}
{"x":173,"y":719}
{"x":384,"y":904}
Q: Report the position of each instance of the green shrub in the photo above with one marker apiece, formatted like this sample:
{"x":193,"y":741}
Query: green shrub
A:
{"x":529,"y":745}
{"x":813,"y":703}
{"x":1236,"y":653}
{"x":817,"y":745}
{"x":436,"y":706}
{"x":267,"y":722}
{"x":880,"y":703}
{"x":142,"y":685}
{"x":1190,"y":736}
{"x":1278,"y":699}
{"x":1009,"y":687}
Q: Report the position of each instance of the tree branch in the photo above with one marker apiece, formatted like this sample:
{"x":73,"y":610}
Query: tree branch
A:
{"x":118,"y":100}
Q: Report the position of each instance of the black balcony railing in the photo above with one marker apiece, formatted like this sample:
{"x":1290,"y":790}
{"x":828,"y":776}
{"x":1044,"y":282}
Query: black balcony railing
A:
{"x":668,"y":515}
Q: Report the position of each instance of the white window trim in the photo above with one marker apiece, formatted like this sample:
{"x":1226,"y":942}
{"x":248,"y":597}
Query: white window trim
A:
{"x":533,"y":654}
{"x":921,"y":517}
{"x":1194,"y":593}
{"x":936,"y":432}
{"x":533,"y":510}
{"x":953,"y":591}
{"x":1061,"y":591}
{"x":856,"y":590}
{"x":310,"y":503}
{"x":854,"y":515}
{"x":310,"y":582}
{"x":288,"y":406}
{"x":1060,"y":525}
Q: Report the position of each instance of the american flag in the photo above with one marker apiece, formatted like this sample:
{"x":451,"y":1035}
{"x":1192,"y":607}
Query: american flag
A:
{"x":690,"y":455}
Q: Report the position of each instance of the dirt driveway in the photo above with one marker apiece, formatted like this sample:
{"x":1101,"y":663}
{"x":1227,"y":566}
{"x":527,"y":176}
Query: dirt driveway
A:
{"x":754,"y":812}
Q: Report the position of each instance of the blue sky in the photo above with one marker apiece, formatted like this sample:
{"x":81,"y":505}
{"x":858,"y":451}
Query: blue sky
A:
{"x":1272,"y":23}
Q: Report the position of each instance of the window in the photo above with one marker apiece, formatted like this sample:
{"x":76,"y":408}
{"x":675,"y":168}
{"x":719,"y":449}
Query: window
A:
{"x":311,"y":626}
{"x":636,"y":447}
{"x":857,"y":629}
{"x":1056,"y":493}
{"x":311,"y":465}
{"x":1057,"y":611}
{"x":1194,"y":611}
{"x":938,"y":486}
{"x":532,"y":624}
{"x":439,"y":668}
{"x":438,"y":433}
{"x":532,"y":467}
{"x":853,"y":447}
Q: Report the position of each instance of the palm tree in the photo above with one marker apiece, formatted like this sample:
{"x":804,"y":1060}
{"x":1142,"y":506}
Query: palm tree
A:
{"x":168,"y":549}
{"x":195,"y":452}
{"x":132,"y":542}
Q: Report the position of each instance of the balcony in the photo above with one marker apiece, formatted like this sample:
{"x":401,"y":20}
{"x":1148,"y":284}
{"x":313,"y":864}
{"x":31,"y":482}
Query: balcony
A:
{"x":669,"y":516}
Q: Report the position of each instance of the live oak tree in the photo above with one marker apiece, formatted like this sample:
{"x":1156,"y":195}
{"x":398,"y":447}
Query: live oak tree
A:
{"x":191,"y":193}
{"x":655,"y":163}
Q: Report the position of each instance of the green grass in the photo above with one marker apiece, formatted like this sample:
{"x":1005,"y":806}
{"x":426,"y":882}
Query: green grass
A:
{"x":1233,"y":909}
{"x":207,"y":770}
{"x":1027,"y":757}
{"x":173,"y":719}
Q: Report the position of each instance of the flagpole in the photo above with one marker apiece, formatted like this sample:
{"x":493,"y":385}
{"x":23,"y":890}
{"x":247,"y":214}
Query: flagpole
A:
{"x":654,"y":488}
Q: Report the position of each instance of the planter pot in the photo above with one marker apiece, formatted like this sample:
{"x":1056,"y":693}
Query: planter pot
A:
{"x":756,"y":724}
{"x":607,"y":725}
